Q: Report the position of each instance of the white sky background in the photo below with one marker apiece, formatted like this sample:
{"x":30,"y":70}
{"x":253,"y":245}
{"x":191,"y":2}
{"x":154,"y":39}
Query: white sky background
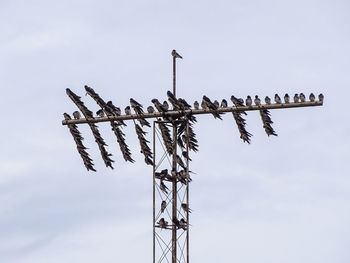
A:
{"x":283,"y":199}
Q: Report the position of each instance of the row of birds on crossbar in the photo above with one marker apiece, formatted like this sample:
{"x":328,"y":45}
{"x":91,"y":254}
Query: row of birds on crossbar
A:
{"x":185,"y":136}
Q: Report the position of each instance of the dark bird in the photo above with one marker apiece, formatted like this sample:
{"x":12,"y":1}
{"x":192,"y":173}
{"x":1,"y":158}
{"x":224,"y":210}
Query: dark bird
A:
{"x":162,"y":206}
{"x":238,"y":102}
{"x":267,"y":100}
{"x":163,"y":187}
{"x":248,"y":101}
{"x":175,"y":54}
{"x":76,"y":115}
{"x":127,"y":110}
{"x":211,"y":106}
{"x":162,"y":174}
{"x":224,"y":103}
{"x":180,"y":162}
{"x":216,"y":103}
{"x":162,"y":223}
{"x":172,"y":99}
{"x":136,"y":106}
{"x":183,"y":104}
{"x":296,"y":98}
{"x":204,"y":105}
{"x":196,"y":105}
{"x":159,"y":106}
{"x":183,"y":224}
{"x":185,"y":207}
{"x":166,"y":105}
{"x":320,"y":97}
{"x":150,"y":109}
{"x":176,"y":222}
{"x":257,"y":101}
{"x":100,"y":113}
{"x":185,"y":154}
{"x":110,"y":109}
{"x":278,"y":99}
{"x":286,"y":98}
{"x":312,"y":97}
{"x":302,"y":97}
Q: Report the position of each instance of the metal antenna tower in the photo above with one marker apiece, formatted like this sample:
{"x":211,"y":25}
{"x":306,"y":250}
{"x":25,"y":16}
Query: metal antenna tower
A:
{"x":171,"y":207}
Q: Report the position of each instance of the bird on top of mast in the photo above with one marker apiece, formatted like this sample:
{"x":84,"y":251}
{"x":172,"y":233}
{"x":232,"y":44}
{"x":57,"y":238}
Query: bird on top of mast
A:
{"x":175,"y":54}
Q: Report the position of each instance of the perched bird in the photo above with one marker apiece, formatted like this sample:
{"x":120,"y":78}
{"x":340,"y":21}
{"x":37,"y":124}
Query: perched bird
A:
{"x":302,"y":97}
{"x":162,"y":206}
{"x":175,"y":54}
{"x":176,"y":222}
{"x":163,"y":187}
{"x":278,"y":99}
{"x":257,"y":101}
{"x":286,"y":98}
{"x":159,"y":106}
{"x":185,"y":207}
{"x":216,"y":103}
{"x":312,"y":97}
{"x":211,"y":106}
{"x":136,"y":106}
{"x":185,"y":154}
{"x":248,"y":101}
{"x":172,"y":99}
{"x":183,"y":224}
{"x":166,"y":105}
{"x":76,"y":115}
{"x":183,"y":104}
{"x":100,"y":113}
{"x":296,"y":98}
{"x":224,"y":103}
{"x":127,"y":110}
{"x":150,"y":109}
{"x":196,"y":105}
{"x":180,"y":162}
{"x":162,"y":174}
{"x":238,"y":102}
{"x":204,"y":105}
{"x":162,"y":223}
{"x":267,"y":100}
{"x":320,"y":97}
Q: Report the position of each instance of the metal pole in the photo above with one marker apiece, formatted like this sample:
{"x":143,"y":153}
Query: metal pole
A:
{"x":187,"y":195}
{"x":174,"y":194}
{"x":154,"y":193}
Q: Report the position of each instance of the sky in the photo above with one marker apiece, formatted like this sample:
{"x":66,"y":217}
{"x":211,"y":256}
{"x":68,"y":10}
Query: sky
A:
{"x":281,"y":199}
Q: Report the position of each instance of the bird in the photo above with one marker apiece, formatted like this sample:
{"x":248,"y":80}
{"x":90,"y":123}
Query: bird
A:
{"x":172,"y":99}
{"x":257,"y":101}
{"x":302,"y":97}
{"x":180,"y":162}
{"x":185,"y":154}
{"x":286,"y":98}
{"x":183,"y":224}
{"x":204,"y":105}
{"x":76,"y":115}
{"x":166,"y":105}
{"x":312,"y":97}
{"x":296,"y":98}
{"x":127,"y":110}
{"x":136,"y":106}
{"x":216,"y":103}
{"x":162,"y":223}
{"x":278,"y":99}
{"x":159,"y":106}
{"x":183,"y":104}
{"x":238,"y":102}
{"x":196,"y":105}
{"x":175,"y":54}
{"x":320,"y":97}
{"x":248,"y":101}
{"x":267,"y":100}
{"x":163,"y":187}
{"x":100,"y":113}
{"x":150,"y":109}
{"x":162,"y":206}
{"x":211,"y":106}
{"x":185,"y":207}
{"x":176,"y":222}
{"x":224,"y":103}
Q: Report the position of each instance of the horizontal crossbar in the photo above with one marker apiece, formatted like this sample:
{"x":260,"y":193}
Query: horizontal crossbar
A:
{"x":193,"y":112}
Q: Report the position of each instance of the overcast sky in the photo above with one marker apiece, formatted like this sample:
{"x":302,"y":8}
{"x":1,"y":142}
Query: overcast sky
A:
{"x":281,"y":199}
